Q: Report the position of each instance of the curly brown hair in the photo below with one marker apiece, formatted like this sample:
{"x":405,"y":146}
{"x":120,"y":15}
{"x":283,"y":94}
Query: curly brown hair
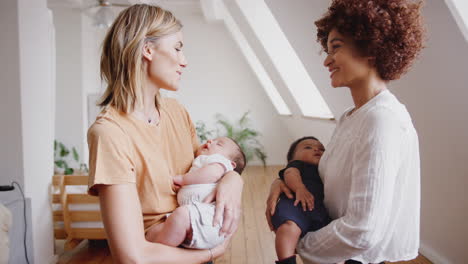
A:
{"x":391,"y":31}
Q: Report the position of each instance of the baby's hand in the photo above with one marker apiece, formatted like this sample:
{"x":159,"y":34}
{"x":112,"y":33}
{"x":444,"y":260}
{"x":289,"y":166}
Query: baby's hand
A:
{"x":178,"y":180}
{"x":304,"y":197}
{"x":176,"y":188}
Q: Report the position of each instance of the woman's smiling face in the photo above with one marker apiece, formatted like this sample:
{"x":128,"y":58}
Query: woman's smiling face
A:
{"x":344,"y":61}
{"x":166,"y":61}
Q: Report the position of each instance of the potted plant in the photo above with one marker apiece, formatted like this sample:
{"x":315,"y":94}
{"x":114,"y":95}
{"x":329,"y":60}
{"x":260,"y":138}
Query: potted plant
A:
{"x":244,"y":135}
{"x":62,"y":159}
{"x":203,"y":132}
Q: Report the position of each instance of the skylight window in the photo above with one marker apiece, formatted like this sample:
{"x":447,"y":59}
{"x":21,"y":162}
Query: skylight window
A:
{"x":285,"y":59}
{"x":459,"y":9}
{"x":254,"y":62}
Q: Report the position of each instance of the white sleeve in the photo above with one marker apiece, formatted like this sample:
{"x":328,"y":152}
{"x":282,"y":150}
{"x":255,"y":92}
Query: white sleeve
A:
{"x":216,"y":158}
{"x":376,"y":159}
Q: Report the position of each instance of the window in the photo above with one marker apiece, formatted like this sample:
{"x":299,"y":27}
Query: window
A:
{"x":254,"y":62}
{"x":285,"y":59}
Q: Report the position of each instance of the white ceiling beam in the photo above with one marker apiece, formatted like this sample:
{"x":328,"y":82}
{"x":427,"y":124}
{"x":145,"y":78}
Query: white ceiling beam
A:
{"x":459,"y":10}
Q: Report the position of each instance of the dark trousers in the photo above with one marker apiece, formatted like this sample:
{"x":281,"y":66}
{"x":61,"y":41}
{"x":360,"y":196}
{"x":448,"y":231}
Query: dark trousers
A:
{"x":357,"y":262}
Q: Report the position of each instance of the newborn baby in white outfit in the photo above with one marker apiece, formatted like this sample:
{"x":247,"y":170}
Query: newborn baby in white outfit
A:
{"x":191,"y":224}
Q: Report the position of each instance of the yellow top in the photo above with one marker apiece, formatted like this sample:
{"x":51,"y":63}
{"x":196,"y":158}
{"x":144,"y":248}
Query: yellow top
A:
{"x":124,"y":149}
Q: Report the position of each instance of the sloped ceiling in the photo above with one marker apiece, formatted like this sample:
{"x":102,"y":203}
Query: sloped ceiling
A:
{"x":300,"y":31}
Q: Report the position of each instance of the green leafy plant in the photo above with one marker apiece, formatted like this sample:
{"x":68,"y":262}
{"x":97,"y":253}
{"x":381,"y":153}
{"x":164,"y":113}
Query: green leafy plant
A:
{"x":203,"y":132}
{"x":62,"y":159}
{"x":246,"y":137}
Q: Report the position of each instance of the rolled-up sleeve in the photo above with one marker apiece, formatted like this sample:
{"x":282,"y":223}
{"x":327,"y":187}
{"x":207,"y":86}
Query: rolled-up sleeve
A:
{"x":376,"y":159}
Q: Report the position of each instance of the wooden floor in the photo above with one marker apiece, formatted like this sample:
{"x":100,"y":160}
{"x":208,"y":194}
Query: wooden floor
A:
{"x":252,"y":244}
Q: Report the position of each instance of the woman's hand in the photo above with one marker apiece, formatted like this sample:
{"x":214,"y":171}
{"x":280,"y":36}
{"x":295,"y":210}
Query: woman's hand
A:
{"x":304,"y":197}
{"x":277,"y":187}
{"x":228,"y":196}
{"x":219,"y":250}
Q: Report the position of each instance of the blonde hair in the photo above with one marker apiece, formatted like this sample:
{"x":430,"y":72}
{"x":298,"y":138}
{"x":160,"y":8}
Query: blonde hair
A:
{"x":122,"y":66}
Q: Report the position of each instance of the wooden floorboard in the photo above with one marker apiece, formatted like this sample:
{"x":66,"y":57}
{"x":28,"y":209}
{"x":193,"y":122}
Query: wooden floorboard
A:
{"x":253,"y":242}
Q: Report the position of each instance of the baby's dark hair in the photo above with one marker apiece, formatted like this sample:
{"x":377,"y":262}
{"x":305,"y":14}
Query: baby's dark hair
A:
{"x":239,"y":158}
{"x":293,"y":146}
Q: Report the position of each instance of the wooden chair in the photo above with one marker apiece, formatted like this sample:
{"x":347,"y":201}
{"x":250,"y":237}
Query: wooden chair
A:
{"x":74,"y":236}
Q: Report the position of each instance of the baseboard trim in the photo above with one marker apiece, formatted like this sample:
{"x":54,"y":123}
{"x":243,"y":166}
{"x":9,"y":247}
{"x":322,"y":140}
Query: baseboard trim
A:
{"x":432,"y":255}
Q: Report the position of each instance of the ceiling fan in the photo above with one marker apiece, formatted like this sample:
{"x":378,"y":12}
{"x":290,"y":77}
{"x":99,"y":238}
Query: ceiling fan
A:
{"x":102,"y":12}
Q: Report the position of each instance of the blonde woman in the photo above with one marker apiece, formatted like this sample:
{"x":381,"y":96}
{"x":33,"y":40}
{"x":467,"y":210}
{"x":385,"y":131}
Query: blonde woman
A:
{"x":140,"y":140}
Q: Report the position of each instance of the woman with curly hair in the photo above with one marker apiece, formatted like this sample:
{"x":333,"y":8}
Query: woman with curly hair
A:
{"x":371,"y":170}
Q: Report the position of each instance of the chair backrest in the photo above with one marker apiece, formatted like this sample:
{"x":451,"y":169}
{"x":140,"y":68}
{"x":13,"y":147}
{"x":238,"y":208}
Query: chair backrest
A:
{"x":63,"y":214}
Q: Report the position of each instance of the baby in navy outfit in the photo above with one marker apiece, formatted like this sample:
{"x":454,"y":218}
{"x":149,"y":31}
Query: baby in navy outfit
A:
{"x":293,"y":218}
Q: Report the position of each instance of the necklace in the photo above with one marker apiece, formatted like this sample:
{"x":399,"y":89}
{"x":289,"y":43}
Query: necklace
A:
{"x":151,"y":119}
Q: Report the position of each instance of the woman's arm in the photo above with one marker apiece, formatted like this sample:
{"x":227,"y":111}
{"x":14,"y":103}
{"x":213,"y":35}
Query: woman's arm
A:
{"x":123,"y":222}
{"x":228,"y":202}
{"x":277,"y":187}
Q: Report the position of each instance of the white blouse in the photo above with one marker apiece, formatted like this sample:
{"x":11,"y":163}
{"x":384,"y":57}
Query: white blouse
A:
{"x":371,"y":177}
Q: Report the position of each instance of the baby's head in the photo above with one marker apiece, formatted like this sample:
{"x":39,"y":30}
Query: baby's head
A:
{"x":307,"y":149}
{"x":228,"y":148}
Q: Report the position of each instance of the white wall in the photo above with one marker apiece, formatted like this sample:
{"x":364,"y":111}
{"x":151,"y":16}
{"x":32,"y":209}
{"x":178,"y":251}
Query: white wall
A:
{"x":11,"y":152}
{"x":69,"y":117}
{"x":435,"y":92}
{"x":91,"y":41}
{"x":37,"y":104}
{"x":11,"y":155}
{"x":26,"y":112}
{"x":78,"y":58}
